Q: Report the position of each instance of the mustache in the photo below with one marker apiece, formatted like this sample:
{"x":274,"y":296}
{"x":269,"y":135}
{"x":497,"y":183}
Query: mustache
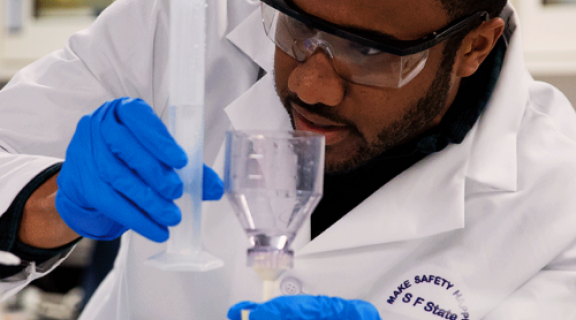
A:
{"x":319,"y":109}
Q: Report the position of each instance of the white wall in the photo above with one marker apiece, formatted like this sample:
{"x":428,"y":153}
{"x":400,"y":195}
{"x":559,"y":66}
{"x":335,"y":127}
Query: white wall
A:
{"x":37,"y":38}
{"x":549,"y":38}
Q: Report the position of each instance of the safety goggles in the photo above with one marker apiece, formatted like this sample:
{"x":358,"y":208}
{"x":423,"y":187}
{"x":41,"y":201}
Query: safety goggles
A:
{"x":357,"y":58}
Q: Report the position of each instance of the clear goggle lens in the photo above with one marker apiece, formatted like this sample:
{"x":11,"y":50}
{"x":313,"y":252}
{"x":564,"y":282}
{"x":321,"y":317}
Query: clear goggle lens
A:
{"x":352,"y":61}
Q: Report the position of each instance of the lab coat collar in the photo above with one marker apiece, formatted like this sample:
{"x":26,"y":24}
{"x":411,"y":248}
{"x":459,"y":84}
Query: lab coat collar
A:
{"x":427,"y":198}
{"x":250,"y":38}
{"x":493,"y":158}
{"x":259,"y":108}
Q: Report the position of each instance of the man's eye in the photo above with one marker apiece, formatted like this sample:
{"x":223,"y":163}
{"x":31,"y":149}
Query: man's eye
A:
{"x":365,"y":50}
{"x":302,"y":27}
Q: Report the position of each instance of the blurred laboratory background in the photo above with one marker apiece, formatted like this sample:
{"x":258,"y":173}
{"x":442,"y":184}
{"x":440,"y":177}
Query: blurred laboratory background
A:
{"x":30,"y":29}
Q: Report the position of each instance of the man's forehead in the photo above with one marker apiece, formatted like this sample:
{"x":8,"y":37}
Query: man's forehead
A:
{"x":403,"y":19}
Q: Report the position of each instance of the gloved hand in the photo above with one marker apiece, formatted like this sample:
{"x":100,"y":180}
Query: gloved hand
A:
{"x":119,"y":174}
{"x":305,"y":307}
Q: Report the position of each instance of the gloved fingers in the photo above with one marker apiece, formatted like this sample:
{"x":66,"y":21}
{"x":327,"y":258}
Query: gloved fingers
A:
{"x":110,"y":213}
{"x":361,"y":310}
{"x":213,"y":187}
{"x":145,"y":125}
{"x":235,"y":312}
{"x":86,"y":219}
{"x":301,"y":307}
{"x":126,"y":213}
{"x":128,"y":149}
{"x":154,"y":211}
{"x":121,"y":178}
{"x":305,"y":307}
{"x":161,"y":210}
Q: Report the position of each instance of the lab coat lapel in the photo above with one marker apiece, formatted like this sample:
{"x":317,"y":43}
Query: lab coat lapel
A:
{"x":259,"y":108}
{"x":250,"y":37}
{"x":493,"y":159}
{"x":424,"y":200}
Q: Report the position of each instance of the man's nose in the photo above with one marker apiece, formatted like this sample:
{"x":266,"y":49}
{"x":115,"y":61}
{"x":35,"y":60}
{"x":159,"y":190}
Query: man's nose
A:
{"x":316,"y":81}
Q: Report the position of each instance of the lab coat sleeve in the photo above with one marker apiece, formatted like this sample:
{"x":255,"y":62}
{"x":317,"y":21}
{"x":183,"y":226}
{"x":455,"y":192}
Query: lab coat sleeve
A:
{"x":42,"y":104}
{"x":550,"y":294}
{"x":10,"y":286}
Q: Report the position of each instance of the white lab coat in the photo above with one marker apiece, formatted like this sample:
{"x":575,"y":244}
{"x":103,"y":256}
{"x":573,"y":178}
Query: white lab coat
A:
{"x":483,"y":230}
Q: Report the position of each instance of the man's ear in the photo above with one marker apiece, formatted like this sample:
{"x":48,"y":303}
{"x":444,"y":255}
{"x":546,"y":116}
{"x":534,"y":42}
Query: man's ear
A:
{"x":477,"y":45}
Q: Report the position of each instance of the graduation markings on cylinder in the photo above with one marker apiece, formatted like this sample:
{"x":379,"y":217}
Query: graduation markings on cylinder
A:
{"x":256,"y":156}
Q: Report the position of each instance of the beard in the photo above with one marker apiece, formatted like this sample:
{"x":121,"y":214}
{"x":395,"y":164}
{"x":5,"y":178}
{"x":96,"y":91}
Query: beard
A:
{"x":418,"y":118}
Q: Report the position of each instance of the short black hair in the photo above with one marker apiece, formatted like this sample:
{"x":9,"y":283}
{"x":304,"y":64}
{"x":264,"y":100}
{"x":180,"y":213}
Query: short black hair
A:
{"x":458,"y":9}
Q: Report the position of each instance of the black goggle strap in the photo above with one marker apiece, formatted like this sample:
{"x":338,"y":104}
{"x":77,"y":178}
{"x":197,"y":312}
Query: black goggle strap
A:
{"x":397,"y":47}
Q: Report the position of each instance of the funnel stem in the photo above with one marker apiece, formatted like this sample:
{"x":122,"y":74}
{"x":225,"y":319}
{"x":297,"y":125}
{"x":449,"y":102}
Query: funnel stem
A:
{"x":268,"y":287}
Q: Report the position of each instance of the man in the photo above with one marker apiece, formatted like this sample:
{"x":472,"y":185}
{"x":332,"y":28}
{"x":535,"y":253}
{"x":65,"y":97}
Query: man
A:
{"x":449,"y":170}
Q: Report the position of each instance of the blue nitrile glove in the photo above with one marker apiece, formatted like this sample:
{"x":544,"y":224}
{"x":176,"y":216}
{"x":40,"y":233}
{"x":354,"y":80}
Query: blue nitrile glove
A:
{"x":305,"y":307}
{"x":119,"y":174}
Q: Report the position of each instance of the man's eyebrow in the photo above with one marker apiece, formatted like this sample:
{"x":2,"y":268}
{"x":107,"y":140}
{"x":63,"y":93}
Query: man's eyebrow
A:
{"x":368,"y":33}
